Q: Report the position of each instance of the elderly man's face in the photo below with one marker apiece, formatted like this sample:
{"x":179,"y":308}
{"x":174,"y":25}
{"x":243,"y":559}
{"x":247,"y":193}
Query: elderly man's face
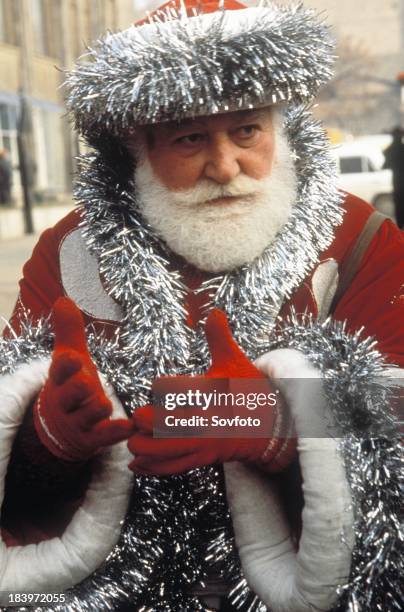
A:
{"x":216,"y":189}
{"x":218,"y":148}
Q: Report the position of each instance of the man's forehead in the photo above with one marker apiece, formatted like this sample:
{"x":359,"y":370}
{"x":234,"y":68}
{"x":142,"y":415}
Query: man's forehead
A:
{"x":233,"y":117}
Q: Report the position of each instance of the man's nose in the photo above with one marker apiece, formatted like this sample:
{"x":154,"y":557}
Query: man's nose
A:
{"x":222,"y":163}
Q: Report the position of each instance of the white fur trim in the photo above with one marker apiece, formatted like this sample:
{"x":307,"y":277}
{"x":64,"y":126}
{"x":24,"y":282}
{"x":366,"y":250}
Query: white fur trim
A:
{"x":325,"y":283}
{"x":289,"y":581}
{"x":81,"y":279}
{"x":59,"y":563}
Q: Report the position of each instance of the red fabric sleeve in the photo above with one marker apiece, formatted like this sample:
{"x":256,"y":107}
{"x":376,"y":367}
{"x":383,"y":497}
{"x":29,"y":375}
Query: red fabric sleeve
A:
{"x":41,"y":283}
{"x":375,"y":298}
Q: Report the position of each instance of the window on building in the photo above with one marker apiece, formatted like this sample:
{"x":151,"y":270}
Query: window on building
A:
{"x":74,"y":30}
{"x":2,"y":22}
{"x":95,"y":19}
{"x":50,"y":170}
{"x":50,"y":161}
{"x":45,"y":21}
{"x":8,"y":130}
{"x":39,"y":26}
{"x":8,"y":22}
{"x":8,"y":138}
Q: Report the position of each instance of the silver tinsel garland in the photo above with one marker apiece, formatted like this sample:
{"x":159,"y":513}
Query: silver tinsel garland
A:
{"x":277,"y":54}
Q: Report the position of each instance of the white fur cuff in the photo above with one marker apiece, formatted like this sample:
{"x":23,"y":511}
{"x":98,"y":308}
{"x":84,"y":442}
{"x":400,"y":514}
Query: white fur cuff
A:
{"x":59,"y":563}
{"x":286,"y":580}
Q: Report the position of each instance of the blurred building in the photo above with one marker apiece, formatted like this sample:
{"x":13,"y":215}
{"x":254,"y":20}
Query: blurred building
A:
{"x":38,"y":38}
{"x":364,"y":97}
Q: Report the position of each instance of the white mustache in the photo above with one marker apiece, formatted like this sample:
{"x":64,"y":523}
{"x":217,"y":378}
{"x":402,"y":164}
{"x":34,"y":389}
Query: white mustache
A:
{"x":206,"y":190}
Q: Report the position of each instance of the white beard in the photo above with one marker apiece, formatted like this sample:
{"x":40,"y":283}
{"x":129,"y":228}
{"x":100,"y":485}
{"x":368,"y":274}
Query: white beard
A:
{"x":220,"y":237}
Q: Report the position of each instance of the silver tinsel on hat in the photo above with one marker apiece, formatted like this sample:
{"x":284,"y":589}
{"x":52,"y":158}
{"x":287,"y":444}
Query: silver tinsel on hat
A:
{"x":181,"y":66}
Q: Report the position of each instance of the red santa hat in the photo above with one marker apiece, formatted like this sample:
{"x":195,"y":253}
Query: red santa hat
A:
{"x":195,"y":58}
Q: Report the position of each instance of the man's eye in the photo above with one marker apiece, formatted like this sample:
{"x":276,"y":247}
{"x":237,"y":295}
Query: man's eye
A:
{"x":190,"y":139}
{"x":247,"y":131}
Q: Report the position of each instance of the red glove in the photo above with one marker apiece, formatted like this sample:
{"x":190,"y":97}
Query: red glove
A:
{"x":71,"y":414}
{"x":175,"y":455}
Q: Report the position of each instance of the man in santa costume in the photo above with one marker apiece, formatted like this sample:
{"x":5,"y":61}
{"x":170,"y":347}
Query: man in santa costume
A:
{"x":210,"y":242}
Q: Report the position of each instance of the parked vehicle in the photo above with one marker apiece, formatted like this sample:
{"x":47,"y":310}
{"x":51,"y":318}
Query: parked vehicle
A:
{"x":360,"y":164}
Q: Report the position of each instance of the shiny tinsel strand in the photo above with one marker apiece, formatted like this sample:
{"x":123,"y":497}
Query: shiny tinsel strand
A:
{"x":199,"y":65}
{"x":375,"y":468}
{"x":34,"y":341}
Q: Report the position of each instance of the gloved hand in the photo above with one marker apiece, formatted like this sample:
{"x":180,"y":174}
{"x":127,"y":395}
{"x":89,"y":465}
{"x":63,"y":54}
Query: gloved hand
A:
{"x":71,"y":414}
{"x":175,"y":455}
